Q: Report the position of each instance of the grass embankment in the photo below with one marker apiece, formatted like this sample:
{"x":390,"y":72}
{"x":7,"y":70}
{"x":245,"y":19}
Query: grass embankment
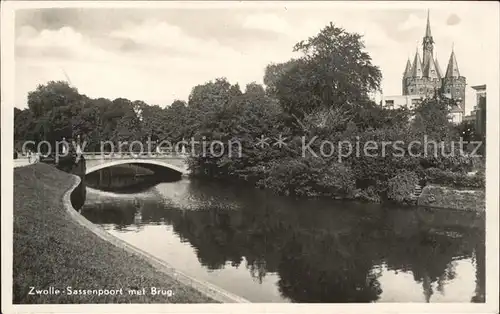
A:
{"x":52,"y":250}
{"x":453,"y":198}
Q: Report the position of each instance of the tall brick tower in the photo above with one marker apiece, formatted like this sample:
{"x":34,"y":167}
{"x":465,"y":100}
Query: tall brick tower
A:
{"x":424,"y":77}
{"x":454,"y":84}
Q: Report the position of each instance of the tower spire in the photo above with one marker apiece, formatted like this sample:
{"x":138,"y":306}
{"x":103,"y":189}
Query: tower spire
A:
{"x":407,"y":72}
{"x":428,"y":28}
{"x":452,"y":69}
{"x":428,"y":48}
{"x":416,"y":69}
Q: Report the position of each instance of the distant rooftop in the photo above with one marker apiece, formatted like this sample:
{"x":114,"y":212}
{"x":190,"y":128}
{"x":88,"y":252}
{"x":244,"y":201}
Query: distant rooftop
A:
{"x":479,"y":87}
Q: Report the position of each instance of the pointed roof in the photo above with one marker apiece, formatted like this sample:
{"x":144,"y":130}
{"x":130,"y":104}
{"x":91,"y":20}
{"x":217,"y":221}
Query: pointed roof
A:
{"x":416,"y":69}
{"x":407,"y":72}
{"x":438,"y":68}
{"x":428,"y":28}
{"x":452,"y":69}
{"x":431,"y":71}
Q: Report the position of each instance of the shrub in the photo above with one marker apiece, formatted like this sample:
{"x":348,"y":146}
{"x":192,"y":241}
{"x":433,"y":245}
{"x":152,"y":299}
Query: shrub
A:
{"x":402,"y":186}
{"x":370,"y":194}
{"x":479,"y":164}
{"x":475,"y":181}
{"x":454,"y":179}
{"x":288,"y":176}
{"x":337,"y":179}
{"x":309,"y":177}
{"x":455,"y":163}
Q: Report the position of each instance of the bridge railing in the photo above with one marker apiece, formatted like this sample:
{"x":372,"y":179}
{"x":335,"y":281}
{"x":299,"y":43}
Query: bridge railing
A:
{"x":128,"y":155}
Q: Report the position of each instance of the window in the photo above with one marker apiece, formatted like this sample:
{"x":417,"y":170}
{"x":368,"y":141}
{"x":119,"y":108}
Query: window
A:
{"x":421,"y":89}
{"x":448,"y":91}
{"x":411,"y":90}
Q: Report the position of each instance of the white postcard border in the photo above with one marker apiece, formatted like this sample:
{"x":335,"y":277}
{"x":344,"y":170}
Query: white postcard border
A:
{"x":492,"y":79}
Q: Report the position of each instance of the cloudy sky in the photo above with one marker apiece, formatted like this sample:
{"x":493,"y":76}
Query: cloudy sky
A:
{"x":158,"y":55}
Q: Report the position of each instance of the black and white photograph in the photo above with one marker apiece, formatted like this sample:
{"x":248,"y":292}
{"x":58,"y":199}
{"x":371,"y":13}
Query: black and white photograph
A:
{"x":272,"y":153}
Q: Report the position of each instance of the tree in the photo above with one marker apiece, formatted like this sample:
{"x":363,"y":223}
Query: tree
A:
{"x":177,"y":105}
{"x":273,"y":75}
{"x":239,"y":119}
{"x":86,"y":122}
{"x":334,"y":71}
{"x":255,"y":89}
{"x":211,"y":94}
{"x":128,"y":127}
{"x":153,"y":121}
{"x":60,"y":124}
{"x":467,"y":131}
{"x":176,"y":122}
{"x":432,"y":118}
{"x":17,"y":112}
{"x":206,"y":102}
{"x":24,"y":124}
{"x":53,"y":94}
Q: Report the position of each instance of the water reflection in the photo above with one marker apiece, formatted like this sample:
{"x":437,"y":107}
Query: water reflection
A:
{"x":130,"y":178}
{"x":303,"y":250}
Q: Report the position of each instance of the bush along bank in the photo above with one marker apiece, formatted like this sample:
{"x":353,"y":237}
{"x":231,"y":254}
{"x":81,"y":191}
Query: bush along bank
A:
{"x":394,"y":177}
{"x":316,"y":178}
{"x":53,"y":252}
{"x":452,"y":198}
{"x":459,"y":191}
{"x":316,"y":97}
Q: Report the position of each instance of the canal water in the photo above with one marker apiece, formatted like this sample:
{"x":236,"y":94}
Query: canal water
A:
{"x":268,"y":248}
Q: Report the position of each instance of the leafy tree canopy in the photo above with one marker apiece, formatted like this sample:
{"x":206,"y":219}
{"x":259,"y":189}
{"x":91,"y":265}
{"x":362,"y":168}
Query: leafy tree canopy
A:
{"x":334,"y":72}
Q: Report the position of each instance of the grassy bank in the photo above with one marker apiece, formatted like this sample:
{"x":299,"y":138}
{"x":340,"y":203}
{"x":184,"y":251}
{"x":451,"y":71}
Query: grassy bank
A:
{"x":453,"y":198}
{"x":51,"y":250}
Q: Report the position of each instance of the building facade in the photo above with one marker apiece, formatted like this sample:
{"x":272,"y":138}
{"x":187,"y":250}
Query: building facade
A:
{"x":408,"y":101}
{"x":479,"y":111}
{"x":423,"y":78}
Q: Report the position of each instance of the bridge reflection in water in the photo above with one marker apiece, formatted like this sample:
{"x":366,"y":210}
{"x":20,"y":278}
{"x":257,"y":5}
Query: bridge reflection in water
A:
{"x":276,"y":249}
{"x":129,"y":176}
{"x":173,"y":162}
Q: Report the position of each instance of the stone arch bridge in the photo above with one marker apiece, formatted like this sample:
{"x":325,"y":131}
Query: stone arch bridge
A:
{"x":97,"y":161}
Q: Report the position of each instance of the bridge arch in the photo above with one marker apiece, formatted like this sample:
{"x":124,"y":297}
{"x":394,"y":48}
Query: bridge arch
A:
{"x":91,"y":166}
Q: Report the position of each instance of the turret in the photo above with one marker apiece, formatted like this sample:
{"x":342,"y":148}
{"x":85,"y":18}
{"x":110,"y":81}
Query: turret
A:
{"x":453,"y":83}
{"x":406,"y":74}
{"x":452,"y":69}
{"x":416,"y":69}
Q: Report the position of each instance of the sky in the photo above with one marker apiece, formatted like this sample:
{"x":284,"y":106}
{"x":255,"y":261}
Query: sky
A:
{"x":159,"y":55}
